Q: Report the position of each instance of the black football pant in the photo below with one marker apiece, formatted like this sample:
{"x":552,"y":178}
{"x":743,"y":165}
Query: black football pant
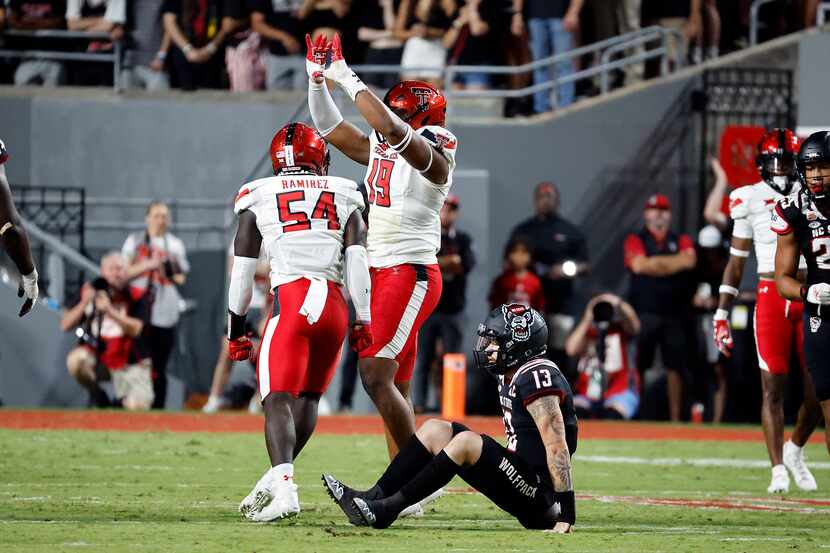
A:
{"x":160,"y":342}
{"x":817,"y":350}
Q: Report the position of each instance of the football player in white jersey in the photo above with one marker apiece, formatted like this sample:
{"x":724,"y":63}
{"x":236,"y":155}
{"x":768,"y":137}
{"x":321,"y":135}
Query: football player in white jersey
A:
{"x":410,"y":159}
{"x":304,"y":220}
{"x":777,"y":321}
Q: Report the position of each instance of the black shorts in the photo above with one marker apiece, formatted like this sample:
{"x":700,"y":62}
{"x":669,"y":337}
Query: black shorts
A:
{"x":670,"y":334}
{"x":509,"y":482}
{"x":817,"y":352}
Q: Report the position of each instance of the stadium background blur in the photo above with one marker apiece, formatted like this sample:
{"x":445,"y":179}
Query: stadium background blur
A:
{"x":86,"y":161}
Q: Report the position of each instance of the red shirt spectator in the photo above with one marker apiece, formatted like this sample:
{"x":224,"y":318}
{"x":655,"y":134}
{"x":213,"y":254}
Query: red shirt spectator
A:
{"x":517,"y":284}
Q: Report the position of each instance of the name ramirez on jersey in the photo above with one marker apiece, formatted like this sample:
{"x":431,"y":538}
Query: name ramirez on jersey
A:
{"x":404,"y":222}
{"x":319,"y":206}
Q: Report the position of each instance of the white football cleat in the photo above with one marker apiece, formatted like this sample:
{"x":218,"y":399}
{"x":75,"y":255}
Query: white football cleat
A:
{"x":794,"y":460}
{"x":259,"y":497}
{"x":417,"y":510}
{"x":284,"y":503}
{"x":780,"y":482}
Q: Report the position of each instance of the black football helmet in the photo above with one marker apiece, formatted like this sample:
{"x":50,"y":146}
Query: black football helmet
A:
{"x":510,"y":336}
{"x":816,"y":149}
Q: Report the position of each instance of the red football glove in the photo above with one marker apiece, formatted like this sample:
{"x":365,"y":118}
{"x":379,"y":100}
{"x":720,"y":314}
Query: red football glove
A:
{"x":315,"y":57}
{"x":361,"y":336}
{"x":723,"y":335}
{"x":240,"y":349}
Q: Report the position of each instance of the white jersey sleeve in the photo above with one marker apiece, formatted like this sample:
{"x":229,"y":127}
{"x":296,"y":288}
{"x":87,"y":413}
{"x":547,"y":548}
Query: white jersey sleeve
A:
{"x":739,"y":212}
{"x":302,"y":219}
{"x":404,"y":222}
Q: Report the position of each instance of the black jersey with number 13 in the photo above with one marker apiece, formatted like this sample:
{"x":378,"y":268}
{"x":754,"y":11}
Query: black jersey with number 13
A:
{"x":535,"y":379}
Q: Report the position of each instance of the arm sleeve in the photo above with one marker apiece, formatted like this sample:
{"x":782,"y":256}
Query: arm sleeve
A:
{"x":633,"y":247}
{"x":73,"y":9}
{"x":540,"y":381}
{"x":323,"y":110}
{"x":358,"y":281}
{"x":241,"y":285}
{"x":116,"y":11}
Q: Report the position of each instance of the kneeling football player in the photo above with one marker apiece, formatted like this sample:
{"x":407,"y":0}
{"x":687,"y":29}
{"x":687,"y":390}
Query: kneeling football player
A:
{"x":530,"y":478}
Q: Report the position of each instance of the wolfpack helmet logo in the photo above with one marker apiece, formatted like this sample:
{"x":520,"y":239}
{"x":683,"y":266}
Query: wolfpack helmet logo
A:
{"x":815,"y":323}
{"x":422,"y":93}
{"x":518,"y":319}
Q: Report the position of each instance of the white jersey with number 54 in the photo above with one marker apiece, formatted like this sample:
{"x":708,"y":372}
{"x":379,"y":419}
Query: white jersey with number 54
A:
{"x":302,"y":218}
{"x":404,"y":222}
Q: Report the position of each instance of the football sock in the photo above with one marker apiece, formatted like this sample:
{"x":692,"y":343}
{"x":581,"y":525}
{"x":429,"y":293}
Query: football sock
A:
{"x":410,"y":460}
{"x":282,"y":473}
{"x":433,"y":476}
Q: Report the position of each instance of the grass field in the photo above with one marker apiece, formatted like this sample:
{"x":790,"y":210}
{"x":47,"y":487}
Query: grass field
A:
{"x":79,"y":491}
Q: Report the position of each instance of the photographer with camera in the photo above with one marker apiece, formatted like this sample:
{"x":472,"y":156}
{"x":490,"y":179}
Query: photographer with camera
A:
{"x":108,"y":322}
{"x":157,"y":266}
{"x":608,"y":384}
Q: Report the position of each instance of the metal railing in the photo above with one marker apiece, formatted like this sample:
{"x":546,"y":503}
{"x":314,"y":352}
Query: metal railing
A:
{"x":114,"y":56}
{"x":754,"y":23}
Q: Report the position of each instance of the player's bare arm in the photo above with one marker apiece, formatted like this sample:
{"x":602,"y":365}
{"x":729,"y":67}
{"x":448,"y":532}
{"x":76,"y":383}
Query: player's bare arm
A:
{"x":16,"y":241}
{"x":246,"y":246}
{"x":728,"y":291}
{"x":786,"y":267}
{"x":551,"y":424}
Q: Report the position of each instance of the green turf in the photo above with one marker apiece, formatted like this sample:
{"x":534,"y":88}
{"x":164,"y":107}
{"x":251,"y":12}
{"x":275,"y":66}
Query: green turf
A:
{"x":110,"y":492}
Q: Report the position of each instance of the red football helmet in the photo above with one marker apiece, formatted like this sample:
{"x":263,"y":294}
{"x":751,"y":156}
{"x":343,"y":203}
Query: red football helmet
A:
{"x":418,"y":103}
{"x":299,"y":146}
{"x":777,"y":154}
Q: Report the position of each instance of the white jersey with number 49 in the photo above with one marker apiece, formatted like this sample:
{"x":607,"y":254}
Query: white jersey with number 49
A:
{"x":404,"y":225}
{"x":302,"y":218}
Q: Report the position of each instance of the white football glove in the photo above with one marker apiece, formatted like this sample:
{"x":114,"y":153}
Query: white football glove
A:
{"x":338,"y":71}
{"x":819,"y":294}
{"x":28,"y":287}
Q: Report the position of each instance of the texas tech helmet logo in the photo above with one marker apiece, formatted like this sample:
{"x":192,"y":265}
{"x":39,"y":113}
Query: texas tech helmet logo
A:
{"x":518,"y":319}
{"x":422,"y":93}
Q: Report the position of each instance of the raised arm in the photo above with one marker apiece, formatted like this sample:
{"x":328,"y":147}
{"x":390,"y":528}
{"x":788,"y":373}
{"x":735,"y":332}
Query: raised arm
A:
{"x":551,"y":424}
{"x":327,"y":118}
{"x":712,"y":212}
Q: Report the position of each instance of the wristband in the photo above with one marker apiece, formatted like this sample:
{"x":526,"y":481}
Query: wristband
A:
{"x":236,"y":325}
{"x":5,"y":228}
{"x":187,"y":48}
{"x":726,"y":289}
{"x":567,"y":506}
{"x":738,"y":253}
{"x":721,"y":315}
{"x":211,"y":47}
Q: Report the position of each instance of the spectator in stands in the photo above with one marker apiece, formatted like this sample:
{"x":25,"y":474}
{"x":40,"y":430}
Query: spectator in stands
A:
{"x":277,"y":23}
{"x":456,"y":260}
{"x":681,"y":15}
{"x":660,"y":262}
{"x":220,"y":396}
{"x":608,"y":384}
{"x":509,"y":46}
{"x":560,"y":255}
{"x":517,"y":283}
{"x":422,"y":25}
{"x":148,"y":47}
{"x":108,"y":322}
{"x":707,"y":39}
{"x":324,"y":16}
{"x":244,"y":54}
{"x":628,"y":21}
{"x":157,"y":266}
{"x":467,"y":42}
{"x":377,"y":30}
{"x":712,"y":256}
{"x":551,"y":24}
{"x":97,"y":16}
{"x":713,"y":211}
{"x":33,"y":15}
{"x":196,"y":56}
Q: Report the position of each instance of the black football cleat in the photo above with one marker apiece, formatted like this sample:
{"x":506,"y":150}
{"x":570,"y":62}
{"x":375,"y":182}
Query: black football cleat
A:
{"x":343,"y":495}
{"x":372,"y":513}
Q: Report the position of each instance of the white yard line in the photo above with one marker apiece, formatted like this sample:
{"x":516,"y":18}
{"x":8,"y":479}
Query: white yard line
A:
{"x":694,"y":462}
